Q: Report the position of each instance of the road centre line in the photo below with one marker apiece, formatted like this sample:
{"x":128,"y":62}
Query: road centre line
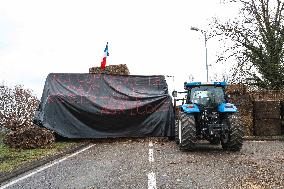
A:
{"x":152,"y":181}
{"x":151,"y":176}
{"x":151,"y":155}
{"x":45,"y":167}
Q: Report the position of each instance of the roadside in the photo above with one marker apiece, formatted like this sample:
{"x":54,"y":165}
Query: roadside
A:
{"x":17,"y":161}
{"x":263,"y":138}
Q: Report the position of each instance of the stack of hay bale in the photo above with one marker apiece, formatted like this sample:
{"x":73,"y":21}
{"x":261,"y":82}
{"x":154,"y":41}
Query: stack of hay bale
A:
{"x":260,"y":111}
{"x":120,"y":69}
{"x":267,"y":120}
{"x":272,"y":118}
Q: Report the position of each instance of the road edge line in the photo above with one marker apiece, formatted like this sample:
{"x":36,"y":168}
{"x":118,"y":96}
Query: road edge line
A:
{"x":46,"y":164}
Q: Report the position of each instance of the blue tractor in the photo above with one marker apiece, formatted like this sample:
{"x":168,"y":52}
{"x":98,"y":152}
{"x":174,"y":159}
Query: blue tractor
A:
{"x":206,"y":114}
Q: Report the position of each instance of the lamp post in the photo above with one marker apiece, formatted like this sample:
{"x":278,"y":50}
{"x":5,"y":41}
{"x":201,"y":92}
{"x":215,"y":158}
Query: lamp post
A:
{"x":205,"y":40}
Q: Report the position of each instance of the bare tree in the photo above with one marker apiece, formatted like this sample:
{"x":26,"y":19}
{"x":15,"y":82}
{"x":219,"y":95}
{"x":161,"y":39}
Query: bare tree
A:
{"x":258,"y":41}
{"x":17,"y":107}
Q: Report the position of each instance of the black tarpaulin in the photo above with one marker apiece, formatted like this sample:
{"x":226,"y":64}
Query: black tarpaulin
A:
{"x":101,"y":106}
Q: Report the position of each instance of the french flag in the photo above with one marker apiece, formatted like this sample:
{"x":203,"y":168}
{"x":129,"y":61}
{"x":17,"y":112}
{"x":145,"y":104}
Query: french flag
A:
{"x":103,"y":63}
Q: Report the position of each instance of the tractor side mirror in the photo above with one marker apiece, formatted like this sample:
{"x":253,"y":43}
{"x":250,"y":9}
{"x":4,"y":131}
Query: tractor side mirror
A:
{"x":227,"y":96}
{"x":174,"y":94}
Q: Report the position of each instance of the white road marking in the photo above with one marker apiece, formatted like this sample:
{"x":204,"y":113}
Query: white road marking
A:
{"x":152,"y":181}
{"x":150,"y":144}
{"x":45,"y":167}
{"x":151,"y":155}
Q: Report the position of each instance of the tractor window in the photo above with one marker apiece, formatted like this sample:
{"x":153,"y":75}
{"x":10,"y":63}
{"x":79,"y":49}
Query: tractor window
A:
{"x":207,"y":95}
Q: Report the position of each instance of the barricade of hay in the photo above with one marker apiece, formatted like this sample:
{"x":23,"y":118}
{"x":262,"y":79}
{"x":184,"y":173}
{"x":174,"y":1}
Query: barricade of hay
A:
{"x":120,"y":69}
{"x":257,"y":118}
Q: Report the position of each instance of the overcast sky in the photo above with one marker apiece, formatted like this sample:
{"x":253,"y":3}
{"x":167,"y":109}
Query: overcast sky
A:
{"x":150,"y":36}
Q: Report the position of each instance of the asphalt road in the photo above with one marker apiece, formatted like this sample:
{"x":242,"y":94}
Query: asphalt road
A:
{"x":158,"y":163}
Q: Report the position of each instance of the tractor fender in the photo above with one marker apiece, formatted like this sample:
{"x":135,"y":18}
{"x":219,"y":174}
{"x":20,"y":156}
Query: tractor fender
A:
{"x":227,"y":108}
{"x":189,"y":108}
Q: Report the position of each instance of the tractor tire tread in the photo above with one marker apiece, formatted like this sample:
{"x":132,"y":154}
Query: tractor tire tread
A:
{"x":236,"y":134}
{"x":188,"y":131}
{"x":176,"y":131}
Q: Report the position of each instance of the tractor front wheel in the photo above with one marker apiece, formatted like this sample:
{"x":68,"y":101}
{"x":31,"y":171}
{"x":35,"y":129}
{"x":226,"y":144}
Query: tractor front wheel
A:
{"x":187,"y":131}
{"x":235,"y":137}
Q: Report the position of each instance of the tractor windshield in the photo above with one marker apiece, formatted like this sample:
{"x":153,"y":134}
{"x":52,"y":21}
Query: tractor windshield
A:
{"x":207,"y":95}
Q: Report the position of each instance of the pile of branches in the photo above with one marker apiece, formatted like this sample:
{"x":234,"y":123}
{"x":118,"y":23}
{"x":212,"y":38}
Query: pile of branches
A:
{"x":120,"y":69}
{"x":17,"y":110}
{"x":28,"y":138}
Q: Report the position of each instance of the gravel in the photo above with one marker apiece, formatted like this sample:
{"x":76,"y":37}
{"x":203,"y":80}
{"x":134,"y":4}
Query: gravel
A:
{"x":124,"y":163}
{"x":257,"y":165}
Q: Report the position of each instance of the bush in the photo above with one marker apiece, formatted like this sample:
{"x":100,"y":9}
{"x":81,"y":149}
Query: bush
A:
{"x":17,"y":107}
{"x":17,"y":110}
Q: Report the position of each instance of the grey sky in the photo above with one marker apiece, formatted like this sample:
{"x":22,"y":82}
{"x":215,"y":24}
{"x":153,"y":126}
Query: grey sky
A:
{"x":150,"y":36}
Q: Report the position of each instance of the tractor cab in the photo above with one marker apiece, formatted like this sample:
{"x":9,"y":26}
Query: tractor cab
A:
{"x":206,"y":95}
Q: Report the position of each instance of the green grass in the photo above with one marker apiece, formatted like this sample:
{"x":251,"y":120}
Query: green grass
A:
{"x":11,"y":158}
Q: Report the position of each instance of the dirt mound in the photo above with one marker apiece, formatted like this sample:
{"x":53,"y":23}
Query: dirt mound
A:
{"x":120,"y":69}
{"x":32,"y":137}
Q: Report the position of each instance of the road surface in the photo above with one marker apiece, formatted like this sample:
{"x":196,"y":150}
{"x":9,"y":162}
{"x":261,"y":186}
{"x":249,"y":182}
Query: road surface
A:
{"x":158,"y":163}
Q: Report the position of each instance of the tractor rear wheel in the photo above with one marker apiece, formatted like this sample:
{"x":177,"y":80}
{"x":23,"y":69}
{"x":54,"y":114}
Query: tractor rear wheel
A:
{"x":187,"y":131}
{"x":214,"y":141}
{"x":234,"y":141}
{"x":177,"y":131}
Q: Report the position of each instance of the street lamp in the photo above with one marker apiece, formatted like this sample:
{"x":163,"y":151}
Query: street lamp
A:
{"x":205,"y":39}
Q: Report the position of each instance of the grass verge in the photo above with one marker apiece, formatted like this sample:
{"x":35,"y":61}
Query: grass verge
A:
{"x":11,"y":158}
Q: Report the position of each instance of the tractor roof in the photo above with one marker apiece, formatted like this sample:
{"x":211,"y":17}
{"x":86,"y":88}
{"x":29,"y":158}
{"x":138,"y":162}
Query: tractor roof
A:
{"x":197,"y":84}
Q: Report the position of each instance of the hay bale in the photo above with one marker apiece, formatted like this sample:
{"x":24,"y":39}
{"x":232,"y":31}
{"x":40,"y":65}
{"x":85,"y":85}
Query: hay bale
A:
{"x":267,"y":121}
{"x":267,"y":95}
{"x":120,"y":69}
{"x":32,"y":137}
{"x":266,"y":109}
{"x":267,"y":127}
